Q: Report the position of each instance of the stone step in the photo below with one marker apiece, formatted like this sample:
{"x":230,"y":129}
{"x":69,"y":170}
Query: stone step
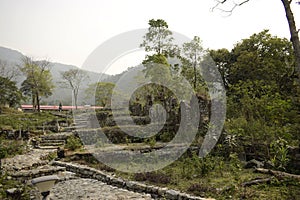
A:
{"x":51,"y":141}
{"x":80,"y":123}
{"x":70,"y":128}
{"x":81,"y":120}
{"x":47,"y":147}
{"x":52,"y":144}
{"x":57,"y":136}
{"x":33,"y":173}
{"x":79,"y":127}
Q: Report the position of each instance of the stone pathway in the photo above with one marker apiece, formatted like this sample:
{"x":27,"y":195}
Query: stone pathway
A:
{"x":89,"y":189}
{"x":69,"y":188}
{"x":30,"y":160}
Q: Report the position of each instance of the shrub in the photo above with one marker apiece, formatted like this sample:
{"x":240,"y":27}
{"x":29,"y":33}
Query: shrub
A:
{"x":73,"y":143}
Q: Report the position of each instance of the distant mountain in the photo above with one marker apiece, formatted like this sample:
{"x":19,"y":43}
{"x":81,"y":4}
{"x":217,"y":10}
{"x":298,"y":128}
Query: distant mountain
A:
{"x":60,"y":94}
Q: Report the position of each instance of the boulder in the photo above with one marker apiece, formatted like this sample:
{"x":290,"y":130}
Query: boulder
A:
{"x":253,"y":164}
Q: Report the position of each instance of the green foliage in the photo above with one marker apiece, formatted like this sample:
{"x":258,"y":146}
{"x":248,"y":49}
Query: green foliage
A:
{"x":166,"y":136}
{"x":102,"y":92}
{"x":279,"y":150}
{"x":9,"y":148}
{"x":27,"y":121}
{"x":263,"y":57}
{"x":258,"y":100}
{"x":38,"y":82}
{"x":73,"y":143}
{"x":150,"y":141}
{"x":192,"y":56}
{"x":263,"y":98}
{"x":23,"y":189}
{"x":50,"y":156}
{"x":157,"y":68}
{"x":10,"y":94}
{"x":222,"y":59}
{"x":158,"y":38}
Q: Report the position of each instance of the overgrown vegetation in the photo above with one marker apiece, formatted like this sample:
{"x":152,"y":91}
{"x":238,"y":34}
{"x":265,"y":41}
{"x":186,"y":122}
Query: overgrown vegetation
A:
{"x":262,"y":122}
{"x":73,"y":143}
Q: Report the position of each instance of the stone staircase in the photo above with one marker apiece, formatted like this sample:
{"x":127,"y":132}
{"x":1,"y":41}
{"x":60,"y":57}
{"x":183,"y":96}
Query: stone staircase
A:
{"x":53,"y":141}
{"x":51,"y":144}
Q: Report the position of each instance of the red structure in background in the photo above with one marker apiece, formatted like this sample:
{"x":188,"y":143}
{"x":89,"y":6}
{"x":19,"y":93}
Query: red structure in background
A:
{"x":43,"y":107}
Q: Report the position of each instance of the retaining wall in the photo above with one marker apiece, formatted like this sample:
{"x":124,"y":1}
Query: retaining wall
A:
{"x":154,"y":191}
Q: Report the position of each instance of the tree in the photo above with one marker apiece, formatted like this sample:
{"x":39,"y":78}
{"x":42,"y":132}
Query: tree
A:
{"x":294,"y":32}
{"x":261,"y":92}
{"x":193,"y":53}
{"x":10,"y":94}
{"x":263,"y":57}
{"x":102,"y":92}
{"x":73,"y":78}
{"x":8,"y":71}
{"x":292,"y":26}
{"x":159,"y":38}
{"x":157,"y":68}
{"x":222,"y":59}
{"x":38,"y":82}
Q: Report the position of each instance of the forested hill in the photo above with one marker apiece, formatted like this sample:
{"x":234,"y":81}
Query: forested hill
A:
{"x":12,"y":58}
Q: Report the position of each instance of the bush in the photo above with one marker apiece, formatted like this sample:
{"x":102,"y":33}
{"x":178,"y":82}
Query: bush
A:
{"x":73,"y":143}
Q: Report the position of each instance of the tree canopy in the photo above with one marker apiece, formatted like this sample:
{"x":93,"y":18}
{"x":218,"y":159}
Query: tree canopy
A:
{"x":10,"y":94}
{"x":73,"y":79}
{"x":102,"y":92}
{"x":38,"y":82}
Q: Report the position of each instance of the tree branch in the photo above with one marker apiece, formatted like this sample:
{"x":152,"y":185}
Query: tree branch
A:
{"x":257,"y":181}
{"x":278,"y":174}
{"x":218,"y":2}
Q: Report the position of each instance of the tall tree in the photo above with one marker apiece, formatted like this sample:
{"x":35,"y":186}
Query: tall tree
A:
{"x":193,"y":53}
{"x":159,"y":38}
{"x":73,"y":78}
{"x":38,"y":82}
{"x":294,"y":32}
{"x":263,"y":57}
{"x":292,"y":26}
{"x":222,"y":59}
{"x":158,"y":42}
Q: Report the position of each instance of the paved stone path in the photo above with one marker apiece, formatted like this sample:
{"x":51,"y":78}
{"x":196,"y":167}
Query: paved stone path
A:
{"x":70,"y":188}
{"x":88,"y":189}
{"x":27,"y":161}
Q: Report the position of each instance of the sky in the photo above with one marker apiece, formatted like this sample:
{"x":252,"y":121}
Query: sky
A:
{"x":68,"y":31}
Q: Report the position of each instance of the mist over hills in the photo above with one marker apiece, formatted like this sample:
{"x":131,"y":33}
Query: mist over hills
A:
{"x":60,"y":94}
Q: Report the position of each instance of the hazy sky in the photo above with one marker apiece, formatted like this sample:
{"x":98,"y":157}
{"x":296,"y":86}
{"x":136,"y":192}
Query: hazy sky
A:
{"x":67,"y":31}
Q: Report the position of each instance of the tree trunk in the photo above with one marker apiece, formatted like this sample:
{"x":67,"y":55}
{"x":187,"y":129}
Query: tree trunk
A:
{"x":33,"y":102}
{"x":75,"y":93}
{"x":38,"y":101}
{"x":195,"y":73}
{"x":294,"y":34}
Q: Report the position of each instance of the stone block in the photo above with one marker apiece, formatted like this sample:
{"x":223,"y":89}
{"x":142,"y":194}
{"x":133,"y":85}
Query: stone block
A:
{"x":172,"y":194}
